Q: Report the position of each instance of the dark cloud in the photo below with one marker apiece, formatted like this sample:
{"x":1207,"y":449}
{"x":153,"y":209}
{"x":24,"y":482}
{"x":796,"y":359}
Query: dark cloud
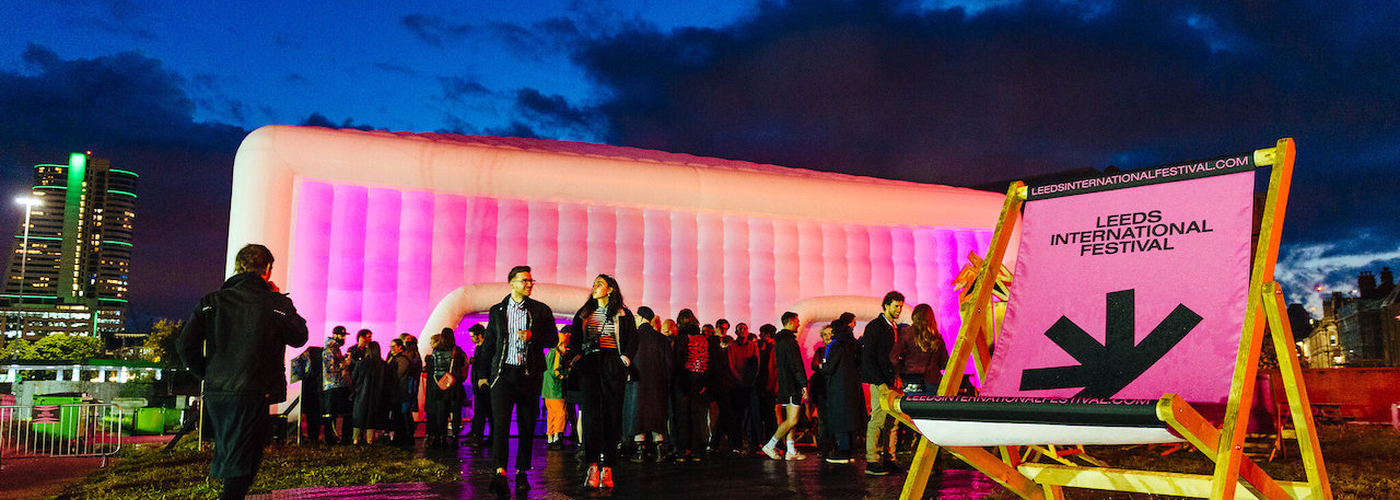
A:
{"x":456,"y":88}
{"x":132,"y":110}
{"x":289,"y":40}
{"x":123,"y":10}
{"x":320,"y":120}
{"x":554,"y":110}
{"x":397,"y":68}
{"x":434,"y":30}
{"x":456,"y":125}
{"x":118,"y":17}
{"x":539,"y":41}
{"x":119,"y":28}
{"x":204,"y":82}
{"x":515,"y":129}
{"x":880,"y":88}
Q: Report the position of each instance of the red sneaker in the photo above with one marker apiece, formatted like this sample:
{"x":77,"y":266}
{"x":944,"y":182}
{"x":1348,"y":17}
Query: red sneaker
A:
{"x":592,"y":480}
{"x":606,"y":478}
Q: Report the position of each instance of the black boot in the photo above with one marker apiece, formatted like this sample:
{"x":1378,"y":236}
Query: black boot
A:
{"x":639,"y":452}
{"x":498,"y":487}
{"x":664,"y":453}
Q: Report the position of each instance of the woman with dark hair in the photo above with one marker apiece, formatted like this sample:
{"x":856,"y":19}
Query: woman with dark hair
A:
{"x":599,"y":354}
{"x":446,"y":367}
{"x":920,"y":354}
{"x":404,"y":393}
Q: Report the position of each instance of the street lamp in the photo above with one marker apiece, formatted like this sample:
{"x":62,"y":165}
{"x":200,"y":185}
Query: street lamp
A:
{"x":29,"y":203}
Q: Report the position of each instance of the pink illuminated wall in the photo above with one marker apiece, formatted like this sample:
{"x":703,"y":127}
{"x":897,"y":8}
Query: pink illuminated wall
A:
{"x":374,"y":230}
{"x":380,"y":253}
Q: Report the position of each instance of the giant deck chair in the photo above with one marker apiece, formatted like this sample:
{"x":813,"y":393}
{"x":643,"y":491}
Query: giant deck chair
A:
{"x":1136,"y":316}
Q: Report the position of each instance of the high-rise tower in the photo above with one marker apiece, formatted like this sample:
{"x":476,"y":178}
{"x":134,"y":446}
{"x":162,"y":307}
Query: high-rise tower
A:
{"x":69,"y":269}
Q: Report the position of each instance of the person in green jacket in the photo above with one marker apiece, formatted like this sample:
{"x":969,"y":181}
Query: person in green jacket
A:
{"x":553,"y":392}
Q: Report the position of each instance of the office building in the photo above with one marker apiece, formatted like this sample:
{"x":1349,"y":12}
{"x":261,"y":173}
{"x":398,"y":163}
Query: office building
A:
{"x":70,"y":262}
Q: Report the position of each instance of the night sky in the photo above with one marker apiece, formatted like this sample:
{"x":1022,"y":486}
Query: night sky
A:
{"x":960,"y":93}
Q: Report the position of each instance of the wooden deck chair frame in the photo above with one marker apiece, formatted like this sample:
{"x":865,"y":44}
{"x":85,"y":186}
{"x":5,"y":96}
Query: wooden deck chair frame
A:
{"x":1234,"y":474}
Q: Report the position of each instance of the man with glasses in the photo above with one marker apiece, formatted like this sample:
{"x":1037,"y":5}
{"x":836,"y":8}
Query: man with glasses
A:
{"x":518,"y":331}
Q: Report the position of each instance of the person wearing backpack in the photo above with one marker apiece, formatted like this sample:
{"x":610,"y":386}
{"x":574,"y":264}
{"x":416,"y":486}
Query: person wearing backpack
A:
{"x":690,"y":388}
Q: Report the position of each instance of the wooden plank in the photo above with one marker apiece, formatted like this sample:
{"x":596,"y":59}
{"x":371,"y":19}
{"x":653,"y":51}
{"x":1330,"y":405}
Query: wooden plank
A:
{"x":1147,"y":482}
{"x":1304,"y":428}
{"x":999,"y":471}
{"x":1190,"y":424}
{"x":1187,"y":422}
{"x":1230,"y":452}
{"x":924,"y":458}
{"x":971,"y":338}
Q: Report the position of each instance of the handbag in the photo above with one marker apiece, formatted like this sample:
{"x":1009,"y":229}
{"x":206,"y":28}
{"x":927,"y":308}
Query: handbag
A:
{"x":447,"y":380}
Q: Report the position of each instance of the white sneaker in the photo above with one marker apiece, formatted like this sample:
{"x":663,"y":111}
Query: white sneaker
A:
{"x":793,"y":455}
{"x":771,"y":452}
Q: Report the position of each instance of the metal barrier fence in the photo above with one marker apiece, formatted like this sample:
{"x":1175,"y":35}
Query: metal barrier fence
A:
{"x":60,"y":430}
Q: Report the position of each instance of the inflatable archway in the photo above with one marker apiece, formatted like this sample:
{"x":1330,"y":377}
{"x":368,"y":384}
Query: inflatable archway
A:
{"x":375,"y":229}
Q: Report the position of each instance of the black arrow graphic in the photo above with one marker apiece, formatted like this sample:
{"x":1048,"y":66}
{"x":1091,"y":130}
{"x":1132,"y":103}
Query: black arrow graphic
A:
{"x":1104,"y":369}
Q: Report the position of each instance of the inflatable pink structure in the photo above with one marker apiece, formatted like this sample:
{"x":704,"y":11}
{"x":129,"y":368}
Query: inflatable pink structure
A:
{"x":403,"y":232}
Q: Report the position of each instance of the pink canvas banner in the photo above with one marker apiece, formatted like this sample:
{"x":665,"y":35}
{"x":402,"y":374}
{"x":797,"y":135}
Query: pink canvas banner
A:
{"x":1129,"y":293}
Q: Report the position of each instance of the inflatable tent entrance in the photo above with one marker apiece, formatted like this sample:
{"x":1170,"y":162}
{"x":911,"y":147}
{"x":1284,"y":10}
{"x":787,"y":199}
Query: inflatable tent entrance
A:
{"x":375,"y":229}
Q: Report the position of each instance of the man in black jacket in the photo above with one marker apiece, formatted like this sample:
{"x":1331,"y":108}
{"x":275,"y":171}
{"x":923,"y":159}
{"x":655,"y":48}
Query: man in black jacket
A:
{"x":878,"y":373}
{"x":518,"y":331}
{"x":792,"y":386}
{"x":236,"y":341}
{"x":480,"y":378}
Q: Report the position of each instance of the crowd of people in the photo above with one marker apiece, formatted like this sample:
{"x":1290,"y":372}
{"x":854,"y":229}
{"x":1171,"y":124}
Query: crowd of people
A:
{"x":614,"y":383}
{"x":631,"y":382}
{"x":358,"y":394}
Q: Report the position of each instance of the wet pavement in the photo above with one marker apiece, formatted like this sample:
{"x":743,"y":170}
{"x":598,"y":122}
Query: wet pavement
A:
{"x":557,"y":475}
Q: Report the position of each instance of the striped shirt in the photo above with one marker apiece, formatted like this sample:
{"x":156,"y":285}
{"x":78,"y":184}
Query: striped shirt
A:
{"x":517,"y":319}
{"x":597,"y":325}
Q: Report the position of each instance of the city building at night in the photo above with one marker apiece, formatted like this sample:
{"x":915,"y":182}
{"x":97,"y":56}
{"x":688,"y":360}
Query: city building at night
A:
{"x":70,"y":260}
{"x":1358,"y":331}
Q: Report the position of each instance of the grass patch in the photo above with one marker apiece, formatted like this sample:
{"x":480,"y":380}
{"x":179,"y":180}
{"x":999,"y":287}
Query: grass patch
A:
{"x":149,"y":473}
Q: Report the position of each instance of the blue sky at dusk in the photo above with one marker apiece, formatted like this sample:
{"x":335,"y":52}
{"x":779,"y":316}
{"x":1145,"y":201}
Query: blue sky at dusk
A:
{"x":960,"y":93}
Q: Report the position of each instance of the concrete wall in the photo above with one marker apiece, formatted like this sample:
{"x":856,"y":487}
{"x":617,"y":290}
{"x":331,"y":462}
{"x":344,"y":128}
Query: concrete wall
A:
{"x":101,"y":391}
